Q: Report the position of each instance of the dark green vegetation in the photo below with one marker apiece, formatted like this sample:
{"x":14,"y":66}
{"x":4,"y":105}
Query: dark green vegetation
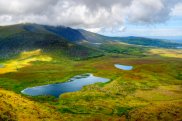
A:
{"x":151,"y":91}
{"x":124,"y":49}
{"x":148,"y":42}
{"x":24,"y":37}
{"x":18,"y":38}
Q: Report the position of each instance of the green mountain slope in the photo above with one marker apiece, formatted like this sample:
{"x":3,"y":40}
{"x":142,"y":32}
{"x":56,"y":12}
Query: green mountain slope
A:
{"x":75,"y":35}
{"x":43,"y":57}
{"x":75,"y":43}
{"x":18,"y":38}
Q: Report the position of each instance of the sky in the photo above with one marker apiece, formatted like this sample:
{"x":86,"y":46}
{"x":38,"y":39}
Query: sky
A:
{"x":108,"y":17}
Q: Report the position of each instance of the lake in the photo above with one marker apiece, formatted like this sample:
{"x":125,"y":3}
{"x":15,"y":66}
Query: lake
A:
{"x":123,"y":67}
{"x":179,"y":47}
{"x":74,"y":84}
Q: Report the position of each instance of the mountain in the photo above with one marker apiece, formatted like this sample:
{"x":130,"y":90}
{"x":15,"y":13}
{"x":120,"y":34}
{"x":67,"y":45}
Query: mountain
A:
{"x":94,"y":37}
{"x":22,"y":37}
{"x":75,"y":35}
{"x":66,"y":32}
{"x":60,"y":39}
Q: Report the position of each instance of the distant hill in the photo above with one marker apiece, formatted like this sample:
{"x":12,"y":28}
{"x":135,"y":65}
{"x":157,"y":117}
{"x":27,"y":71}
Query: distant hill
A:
{"x":147,"y":42}
{"x":174,"y":39}
{"x":21,"y":37}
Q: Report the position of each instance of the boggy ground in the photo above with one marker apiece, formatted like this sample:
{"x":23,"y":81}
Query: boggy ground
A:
{"x":151,"y":91}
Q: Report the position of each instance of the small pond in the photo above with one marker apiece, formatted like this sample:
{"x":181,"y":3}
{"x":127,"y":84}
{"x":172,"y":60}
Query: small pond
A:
{"x":180,"y":47}
{"x":123,"y":67}
{"x":74,"y":84}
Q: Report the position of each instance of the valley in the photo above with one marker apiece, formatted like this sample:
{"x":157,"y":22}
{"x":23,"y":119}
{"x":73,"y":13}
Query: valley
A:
{"x":143,"y":82}
{"x":154,"y":80}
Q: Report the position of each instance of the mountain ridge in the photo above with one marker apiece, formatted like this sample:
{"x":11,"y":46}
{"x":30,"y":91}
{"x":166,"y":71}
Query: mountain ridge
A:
{"x":81,"y":34}
{"x":20,"y":37}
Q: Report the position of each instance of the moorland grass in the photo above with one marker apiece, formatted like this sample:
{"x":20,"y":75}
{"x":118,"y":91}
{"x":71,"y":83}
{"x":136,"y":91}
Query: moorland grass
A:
{"x":121,"y":98}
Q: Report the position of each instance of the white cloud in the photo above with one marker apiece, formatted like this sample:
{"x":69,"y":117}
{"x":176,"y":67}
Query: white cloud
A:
{"x":95,"y":30}
{"x":152,"y":31}
{"x":177,"y":10}
{"x":147,"y":11}
{"x":105,"y":15}
{"x":14,"y":7}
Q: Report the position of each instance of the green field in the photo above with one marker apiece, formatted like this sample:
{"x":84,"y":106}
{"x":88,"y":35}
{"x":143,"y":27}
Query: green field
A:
{"x":151,"y":91}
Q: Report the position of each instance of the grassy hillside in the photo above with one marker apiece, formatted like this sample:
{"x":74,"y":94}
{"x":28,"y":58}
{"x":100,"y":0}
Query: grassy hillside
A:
{"x":33,"y":55}
{"x":18,"y":38}
{"x":154,"y":85}
{"x":76,"y":35}
{"x":125,"y":49}
{"x":14,"y":107}
{"x":167,"y":52}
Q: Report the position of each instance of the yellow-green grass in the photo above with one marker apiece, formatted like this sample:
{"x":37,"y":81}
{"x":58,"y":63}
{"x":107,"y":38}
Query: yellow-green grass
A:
{"x":24,"y":60}
{"x":160,"y":111}
{"x":172,"y":92}
{"x":119,"y":99}
{"x":14,"y":107}
{"x":174,"y":53}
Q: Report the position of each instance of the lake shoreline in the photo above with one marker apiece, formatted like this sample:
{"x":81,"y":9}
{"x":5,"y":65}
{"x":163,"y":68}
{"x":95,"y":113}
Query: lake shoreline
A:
{"x":72,"y":85}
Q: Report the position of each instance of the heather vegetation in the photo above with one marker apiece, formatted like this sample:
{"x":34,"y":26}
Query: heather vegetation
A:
{"x":35,"y":55}
{"x":14,"y":107}
{"x":153,"y":85}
